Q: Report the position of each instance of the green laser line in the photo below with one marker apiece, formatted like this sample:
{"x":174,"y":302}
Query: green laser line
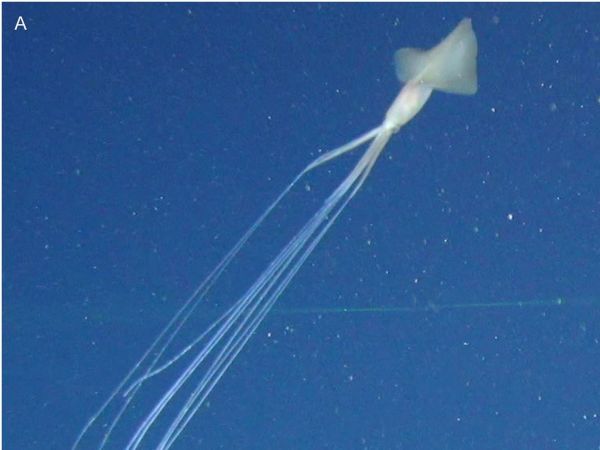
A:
{"x":560,"y":301}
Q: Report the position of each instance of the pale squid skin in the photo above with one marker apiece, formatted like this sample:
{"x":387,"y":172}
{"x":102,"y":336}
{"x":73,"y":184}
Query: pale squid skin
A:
{"x":450,"y":67}
{"x":407,"y":104}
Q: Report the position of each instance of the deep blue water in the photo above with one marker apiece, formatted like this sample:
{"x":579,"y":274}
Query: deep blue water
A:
{"x":140,"y":141}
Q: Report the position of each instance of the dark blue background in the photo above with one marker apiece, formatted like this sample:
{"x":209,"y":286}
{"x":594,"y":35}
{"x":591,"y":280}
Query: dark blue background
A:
{"x":141,"y":140}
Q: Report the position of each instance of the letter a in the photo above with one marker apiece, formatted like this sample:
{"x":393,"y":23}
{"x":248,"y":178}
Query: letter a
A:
{"x":20,"y":23}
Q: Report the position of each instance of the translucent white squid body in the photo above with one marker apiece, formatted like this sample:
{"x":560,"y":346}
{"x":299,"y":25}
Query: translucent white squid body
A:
{"x":450,"y":67}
